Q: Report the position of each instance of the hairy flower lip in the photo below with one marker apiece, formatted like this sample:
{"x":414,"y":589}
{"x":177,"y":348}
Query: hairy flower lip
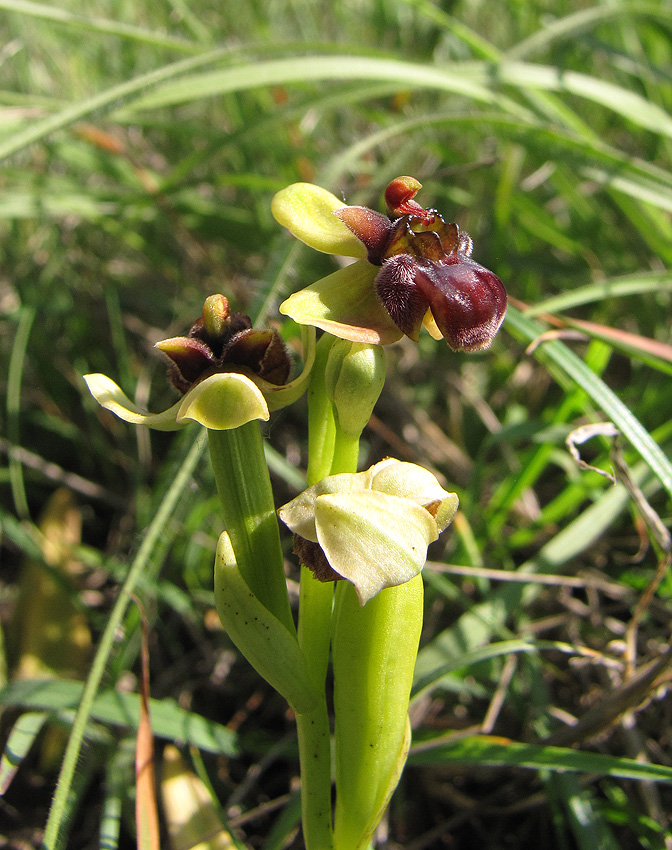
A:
{"x":419,"y":272}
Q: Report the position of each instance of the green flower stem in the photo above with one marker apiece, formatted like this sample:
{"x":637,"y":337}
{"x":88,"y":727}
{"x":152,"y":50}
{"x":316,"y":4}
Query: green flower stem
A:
{"x":346,"y":453}
{"x":321,"y":423}
{"x":332,"y":449}
{"x":244,"y":488}
{"x":315,"y":606}
{"x":374,"y":652}
{"x":314,"y":632}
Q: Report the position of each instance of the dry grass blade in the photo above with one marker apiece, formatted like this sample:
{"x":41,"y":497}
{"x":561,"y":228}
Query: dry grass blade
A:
{"x":635,"y":690}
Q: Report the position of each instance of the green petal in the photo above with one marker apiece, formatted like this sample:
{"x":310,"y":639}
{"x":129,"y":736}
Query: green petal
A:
{"x":373,"y":540}
{"x":410,"y":481}
{"x":224,"y":400}
{"x":299,"y":514}
{"x":346,"y":305}
{"x":307,"y":211}
{"x":110,"y":396}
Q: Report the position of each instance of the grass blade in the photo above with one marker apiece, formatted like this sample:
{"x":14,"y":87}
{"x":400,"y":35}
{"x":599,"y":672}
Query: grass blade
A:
{"x":603,"y":397}
{"x":19,"y":742}
{"x":103,"y":26}
{"x":104,"y":100}
{"x":491,"y":751}
{"x":59,"y":811}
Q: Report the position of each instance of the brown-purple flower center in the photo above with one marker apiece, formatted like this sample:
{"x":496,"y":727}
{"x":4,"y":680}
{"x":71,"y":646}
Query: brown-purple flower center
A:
{"x":220,"y":340}
{"x":426,"y":265}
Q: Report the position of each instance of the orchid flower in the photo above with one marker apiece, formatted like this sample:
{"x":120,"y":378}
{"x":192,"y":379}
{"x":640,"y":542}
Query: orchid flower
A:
{"x":371,"y":528}
{"x":228,"y":372}
{"x":413,"y":269}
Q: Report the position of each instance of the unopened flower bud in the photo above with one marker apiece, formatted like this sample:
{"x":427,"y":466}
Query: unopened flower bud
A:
{"x":372,"y":528}
{"x":215,"y":315}
{"x":354,"y":379}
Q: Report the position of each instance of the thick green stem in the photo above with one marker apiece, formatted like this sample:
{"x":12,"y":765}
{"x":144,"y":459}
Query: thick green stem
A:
{"x":315,"y":757}
{"x":374,"y":652}
{"x":244,"y":488}
{"x":315,"y":606}
{"x":332,"y":449}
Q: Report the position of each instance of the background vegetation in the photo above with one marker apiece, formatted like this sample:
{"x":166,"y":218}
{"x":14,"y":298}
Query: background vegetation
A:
{"x":140,"y":145}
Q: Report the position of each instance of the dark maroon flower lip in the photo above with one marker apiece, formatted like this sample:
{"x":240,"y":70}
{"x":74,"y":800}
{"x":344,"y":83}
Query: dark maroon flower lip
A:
{"x":426,"y":265}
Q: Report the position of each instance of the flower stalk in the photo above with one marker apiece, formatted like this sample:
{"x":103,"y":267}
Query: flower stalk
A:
{"x":245,"y":492}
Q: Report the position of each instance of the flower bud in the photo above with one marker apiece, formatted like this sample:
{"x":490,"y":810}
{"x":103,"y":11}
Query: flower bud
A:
{"x":354,"y":379}
{"x":373,"y":527}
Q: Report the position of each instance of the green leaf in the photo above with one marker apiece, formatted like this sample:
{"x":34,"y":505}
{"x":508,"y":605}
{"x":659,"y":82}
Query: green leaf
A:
{"x":115,"y":708}
{"x":499,"y":752}
{"x":20,"y":740}
{"x":262,"y":638}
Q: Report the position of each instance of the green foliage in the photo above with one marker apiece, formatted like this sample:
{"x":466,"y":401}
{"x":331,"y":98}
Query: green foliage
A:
{"x":140,"y":146}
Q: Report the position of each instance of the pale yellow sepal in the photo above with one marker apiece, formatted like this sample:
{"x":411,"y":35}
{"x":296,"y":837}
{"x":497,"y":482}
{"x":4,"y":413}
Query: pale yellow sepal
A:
{"x":223,"y":401}
{"x":373,"y":527}
{"x":410,"y":481}
{"x":299,"y":514}
{"x":373,"y":540}
{"x":110,"y":396}
{"x":307,"y":211}
{"x":346,"y":305}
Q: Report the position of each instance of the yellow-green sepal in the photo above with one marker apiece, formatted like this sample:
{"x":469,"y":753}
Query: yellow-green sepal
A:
{"x":110,"y":396}
{"x":345,"y":304}
{"x":224,"y":400}
{"x":307,"y":211}
{"x":373,"y":540}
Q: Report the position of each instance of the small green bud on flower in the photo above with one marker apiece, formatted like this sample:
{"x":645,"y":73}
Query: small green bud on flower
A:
{"x":354,"y":379}
{"x":215,"y":315}
{"x":373,"y":528}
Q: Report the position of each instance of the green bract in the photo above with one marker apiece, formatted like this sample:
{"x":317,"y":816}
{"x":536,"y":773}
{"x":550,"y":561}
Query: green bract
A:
{"x":373,"y":527}
{"x":354,"y":378}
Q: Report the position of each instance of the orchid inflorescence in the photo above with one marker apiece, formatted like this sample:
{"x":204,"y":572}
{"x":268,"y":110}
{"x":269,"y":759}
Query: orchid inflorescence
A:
{"x":362,"y":535}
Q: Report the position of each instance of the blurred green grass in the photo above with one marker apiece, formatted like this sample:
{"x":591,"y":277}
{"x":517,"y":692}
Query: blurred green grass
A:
{"x":140,"y":145}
